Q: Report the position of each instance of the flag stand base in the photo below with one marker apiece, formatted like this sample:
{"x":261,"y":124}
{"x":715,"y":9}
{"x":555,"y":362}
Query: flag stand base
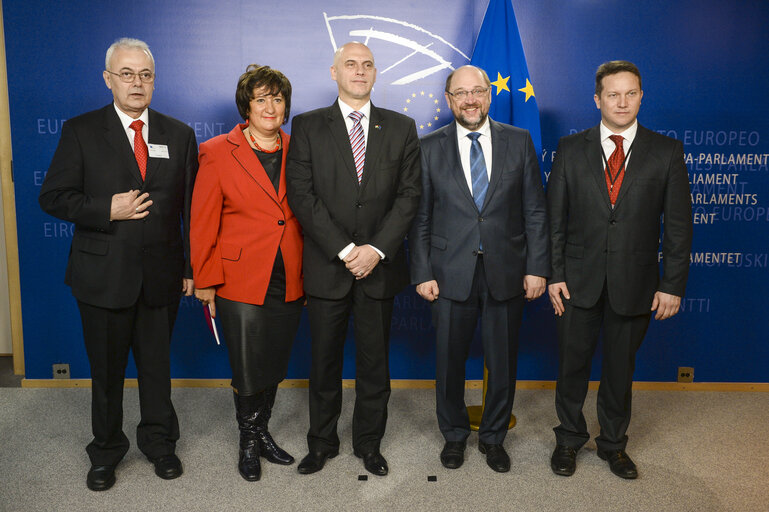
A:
{"x":476,"y":411}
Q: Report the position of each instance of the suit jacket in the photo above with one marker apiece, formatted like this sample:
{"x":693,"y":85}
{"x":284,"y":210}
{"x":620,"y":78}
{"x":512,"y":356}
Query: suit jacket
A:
{"x":239,"y":222}
{"x":593,"y":243}
{"x":335,"y":210}
{"x":511,"y":225}
{"x":111,"y":262}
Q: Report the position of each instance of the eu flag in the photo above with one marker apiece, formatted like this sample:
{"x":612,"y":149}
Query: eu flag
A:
{"x":499,"y":52}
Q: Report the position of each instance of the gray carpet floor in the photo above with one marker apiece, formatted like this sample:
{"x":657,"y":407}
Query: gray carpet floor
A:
{"x":696,"y":451}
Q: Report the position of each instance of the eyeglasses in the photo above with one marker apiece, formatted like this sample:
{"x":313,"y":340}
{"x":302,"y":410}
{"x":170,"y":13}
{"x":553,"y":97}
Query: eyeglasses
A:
{"x":462,"y":94}
{"x":130,"y":76}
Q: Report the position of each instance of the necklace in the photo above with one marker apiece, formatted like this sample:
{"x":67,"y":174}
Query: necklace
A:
{"x":278,"y":143}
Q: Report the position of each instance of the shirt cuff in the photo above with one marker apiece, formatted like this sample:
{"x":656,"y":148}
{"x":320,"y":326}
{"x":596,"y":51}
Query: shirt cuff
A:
{"x":380,"y":253}
{"x":344,"y":252}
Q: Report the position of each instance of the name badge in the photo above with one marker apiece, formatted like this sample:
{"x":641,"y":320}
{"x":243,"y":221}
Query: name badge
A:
{"x":158,"y":150}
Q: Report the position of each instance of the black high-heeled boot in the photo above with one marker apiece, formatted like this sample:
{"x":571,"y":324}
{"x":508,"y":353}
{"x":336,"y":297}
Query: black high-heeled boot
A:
{"x":248,"y":409}
{"x":268,"y":448}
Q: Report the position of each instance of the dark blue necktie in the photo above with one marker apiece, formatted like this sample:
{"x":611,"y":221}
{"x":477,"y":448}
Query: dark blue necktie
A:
{"x":478,"y":170}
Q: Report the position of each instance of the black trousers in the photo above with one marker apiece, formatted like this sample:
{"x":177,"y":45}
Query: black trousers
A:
{"x":109,"y":334}
{"x":455,"y":324}
{"x":578,"y":331}
{"x":328,"y":326}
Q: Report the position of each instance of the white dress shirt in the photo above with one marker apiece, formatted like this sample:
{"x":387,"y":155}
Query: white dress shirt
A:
{"x":366,"y":111}
{"x":609,"y":146}
{"x":126,"y":120}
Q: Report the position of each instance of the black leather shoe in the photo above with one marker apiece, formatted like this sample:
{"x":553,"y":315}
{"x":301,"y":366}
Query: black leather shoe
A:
{"x":496,"y":456}
{"x":100,"y":478}
{"x":249,"y":466}
{"x":168,"y":466}
{"x":619,"y":463}
{"x":453,"y":454}
{"x":564,"y":460}
{"x":373,"y":462}
{"x":270,"y":450}
{"x":314,"y":462}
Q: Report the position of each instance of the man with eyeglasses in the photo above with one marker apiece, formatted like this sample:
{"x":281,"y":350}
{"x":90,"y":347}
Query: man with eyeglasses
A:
{"x":123,"y":175}
{"x":479,"y":247}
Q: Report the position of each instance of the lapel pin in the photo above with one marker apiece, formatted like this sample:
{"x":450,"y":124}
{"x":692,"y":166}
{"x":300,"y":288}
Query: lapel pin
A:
{"x":378,"y":127}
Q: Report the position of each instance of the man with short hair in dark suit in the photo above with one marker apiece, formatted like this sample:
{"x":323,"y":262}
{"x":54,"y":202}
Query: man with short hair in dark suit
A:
{"x":610,"y":188}
{"x":353,"y":182}
{"x":479,"y":247}
{"x":123,"y":175}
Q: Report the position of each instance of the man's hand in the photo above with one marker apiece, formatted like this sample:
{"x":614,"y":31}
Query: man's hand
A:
{"x":206,"y":297}
{"x":361,"y":261}
{"x":129,"y":206}
{"x":555,"y":291}
{"x":666,"y":305}
{"x":188,"y":286}
{"x":428,"y":290}
{"x":534,"y":286}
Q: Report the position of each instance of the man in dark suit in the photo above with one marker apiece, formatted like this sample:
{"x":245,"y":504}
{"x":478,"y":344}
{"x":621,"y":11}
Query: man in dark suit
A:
{"x":124,"y":175}
{"x":353,"y":182}
{"x":609,"y":188}
{"x":479,"y":246}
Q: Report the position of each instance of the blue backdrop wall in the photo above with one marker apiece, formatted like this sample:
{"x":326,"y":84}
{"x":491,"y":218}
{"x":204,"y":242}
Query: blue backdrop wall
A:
{"x":705,"y":70}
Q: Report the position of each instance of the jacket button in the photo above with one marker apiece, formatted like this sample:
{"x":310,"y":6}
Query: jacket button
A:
{"x":480,"y":219}
{"x":281,"y":222}
{"x":612,"y":222}
{"x":358,"y":205}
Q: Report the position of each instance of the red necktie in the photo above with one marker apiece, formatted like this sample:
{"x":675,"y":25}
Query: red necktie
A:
{"x":615,"y":170}
{"x":140,"y":147}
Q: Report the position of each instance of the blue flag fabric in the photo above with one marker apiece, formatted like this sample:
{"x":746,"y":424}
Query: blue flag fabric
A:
{"x":499,"y":52}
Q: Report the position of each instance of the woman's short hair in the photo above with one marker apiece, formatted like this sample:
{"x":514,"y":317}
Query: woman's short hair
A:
{"x":256,"y":77}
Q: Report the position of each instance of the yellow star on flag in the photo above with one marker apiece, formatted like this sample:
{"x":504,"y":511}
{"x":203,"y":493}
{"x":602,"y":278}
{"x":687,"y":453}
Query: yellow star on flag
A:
{"x":501,"y":83}
{"x":529,"y":90}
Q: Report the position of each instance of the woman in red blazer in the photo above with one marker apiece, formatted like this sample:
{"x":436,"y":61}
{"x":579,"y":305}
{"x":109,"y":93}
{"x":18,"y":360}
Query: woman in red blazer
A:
{"x":246,"y":248}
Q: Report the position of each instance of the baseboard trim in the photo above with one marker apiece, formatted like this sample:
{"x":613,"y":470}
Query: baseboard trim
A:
{"x":762,"y":387}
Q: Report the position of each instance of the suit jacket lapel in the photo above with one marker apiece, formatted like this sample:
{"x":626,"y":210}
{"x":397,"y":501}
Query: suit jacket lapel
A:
{"x":157,"y":135}
{"x":450,"y":151}
{"x":498,"y":151}
{"x":250,"y":163}
{"x":638,"y":157}
{"x":282,"y":180}
{"x":118,"y":140}
{"x":595,"y":167}
{"x":376,"y":133}
{"x":338,"y":128}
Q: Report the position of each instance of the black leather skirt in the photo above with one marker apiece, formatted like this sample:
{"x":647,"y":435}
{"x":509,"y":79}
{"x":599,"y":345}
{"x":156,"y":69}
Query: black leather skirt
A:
{"x":259,"y":338}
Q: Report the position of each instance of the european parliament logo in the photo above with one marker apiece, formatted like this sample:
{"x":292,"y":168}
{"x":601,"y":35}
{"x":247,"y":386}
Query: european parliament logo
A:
{"x":412,"y":64}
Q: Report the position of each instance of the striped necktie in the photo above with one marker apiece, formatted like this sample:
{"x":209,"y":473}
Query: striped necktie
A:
{"x":358,"y":143}
{"x":478,"y":174}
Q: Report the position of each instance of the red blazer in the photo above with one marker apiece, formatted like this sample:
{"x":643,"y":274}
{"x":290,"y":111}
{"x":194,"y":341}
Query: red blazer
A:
{"x":238,"y":222}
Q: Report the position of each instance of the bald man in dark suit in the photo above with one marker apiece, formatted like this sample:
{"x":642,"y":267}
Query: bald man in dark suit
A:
{"x":352,"y":178}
